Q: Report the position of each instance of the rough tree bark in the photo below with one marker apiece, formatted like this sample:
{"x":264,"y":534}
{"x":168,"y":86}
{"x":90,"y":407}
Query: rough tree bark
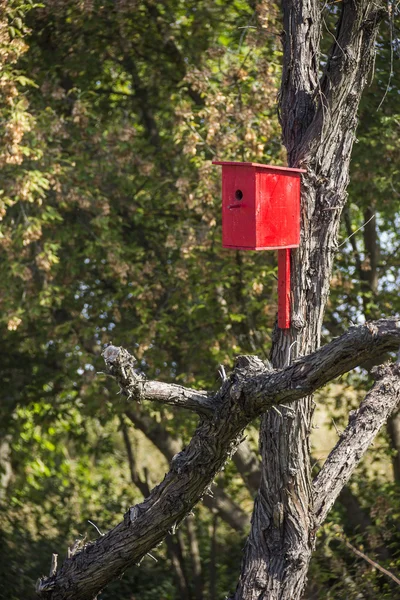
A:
{"x":250,"y":390}
{"x":318,"y":115}
{"x":219,"y":502}
{"x":174,"y":546}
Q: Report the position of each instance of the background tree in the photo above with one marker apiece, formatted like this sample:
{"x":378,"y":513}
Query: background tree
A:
{"x":159,"y":202}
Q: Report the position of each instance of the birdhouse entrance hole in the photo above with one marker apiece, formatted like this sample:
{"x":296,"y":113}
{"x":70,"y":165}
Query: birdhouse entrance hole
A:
{"x":238,"y":194}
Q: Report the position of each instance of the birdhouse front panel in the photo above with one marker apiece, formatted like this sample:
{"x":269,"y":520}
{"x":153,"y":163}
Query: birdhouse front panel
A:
{"x":277,"y":209}
{"x":238,"y":207}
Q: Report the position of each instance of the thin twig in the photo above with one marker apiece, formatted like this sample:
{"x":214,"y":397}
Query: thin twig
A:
{"x":336,"y":429}
{"x":290,"y":351}
{"x":356,"y":231}
{"x":369,"y":560}
{"x":288,"y":407}
{"x":95,"y":526}
{"x":222,"y":373}
{"x":53,"y":568}
{"x":151,"y":556}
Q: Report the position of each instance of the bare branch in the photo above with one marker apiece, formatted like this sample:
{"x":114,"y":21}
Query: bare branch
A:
{"x":300,"y":74}
{"x":345,"y":75}
{"x":146,"y":525}
{"x":373,"y":563}
{"x":136,"y":479}
{"x":249,"y":389}
{"x":357,"y":21}
{"x":363,"y":426}
{"x":266,"y":389}
{"x":121,"y":365}
{"x":169,"y":446}
{"x":155,"y":432}
{"x":307,"y":374}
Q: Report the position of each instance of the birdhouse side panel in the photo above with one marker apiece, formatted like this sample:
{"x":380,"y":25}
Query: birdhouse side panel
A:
{"x":277,"y":210}
{"x":238,"y":207}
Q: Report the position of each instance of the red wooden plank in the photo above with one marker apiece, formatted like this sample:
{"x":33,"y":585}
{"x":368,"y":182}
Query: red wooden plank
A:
{"x":251,"y":164}
{"x":238,"y":224}
{"x":260,"y":206}
{"x":284,"y":288}
{"x":277,"y":209}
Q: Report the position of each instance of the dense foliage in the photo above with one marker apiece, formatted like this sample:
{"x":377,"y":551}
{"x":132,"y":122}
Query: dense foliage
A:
{"x":111,"y":114}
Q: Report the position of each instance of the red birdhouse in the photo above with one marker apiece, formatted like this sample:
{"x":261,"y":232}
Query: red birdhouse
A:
{"x":260,"y":206}
{"x":261,"y":211}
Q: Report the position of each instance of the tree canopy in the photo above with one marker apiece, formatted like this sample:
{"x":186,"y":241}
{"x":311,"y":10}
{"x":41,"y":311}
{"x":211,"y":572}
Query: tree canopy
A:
{"x":111,"y":233}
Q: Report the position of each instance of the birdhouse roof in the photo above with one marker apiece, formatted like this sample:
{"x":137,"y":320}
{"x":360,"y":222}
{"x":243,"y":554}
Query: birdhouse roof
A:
{"x":252,"y":164}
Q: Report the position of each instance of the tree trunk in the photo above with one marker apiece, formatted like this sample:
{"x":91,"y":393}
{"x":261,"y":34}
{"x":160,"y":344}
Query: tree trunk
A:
{"x":178,"y":564}
{"x":213,"y":559}
{"x":393,"y":427}
{"x":318,"y":123}
{"x":250,"y":390}
{"x":195,"y":558}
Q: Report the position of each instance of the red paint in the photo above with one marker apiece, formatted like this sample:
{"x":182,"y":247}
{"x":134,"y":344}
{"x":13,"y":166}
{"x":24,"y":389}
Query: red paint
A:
{"x":261,"y":211}
{"x":284,"y":288}
{"x":260,"y":206}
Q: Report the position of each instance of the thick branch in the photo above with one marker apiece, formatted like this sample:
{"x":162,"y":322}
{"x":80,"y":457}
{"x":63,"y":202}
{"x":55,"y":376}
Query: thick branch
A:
{"x":120,"y":364}
{"x":363,"y":426}
{"x":266,"y":389}
{"x":169,"y":446}
{"x":250,"y":388}
{"x":338,"y":92}
{"x":302,"y":27}
{"x":311,"y":372}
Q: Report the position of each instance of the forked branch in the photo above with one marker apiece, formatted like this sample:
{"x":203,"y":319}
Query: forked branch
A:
{"x":258,"y":392}
{"x":250,"y":389}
